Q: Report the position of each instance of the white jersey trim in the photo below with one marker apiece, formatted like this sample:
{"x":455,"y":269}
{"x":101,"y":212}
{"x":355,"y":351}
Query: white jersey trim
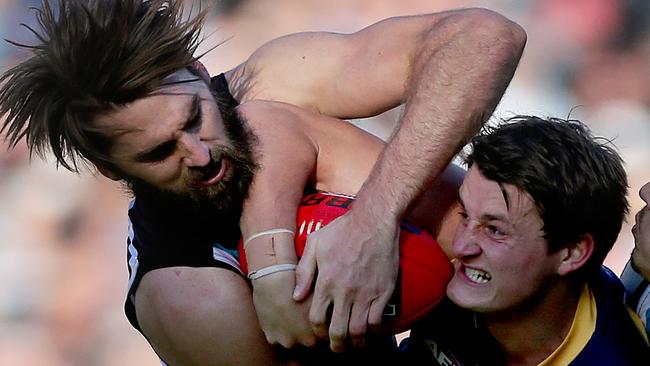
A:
{"x":133,"y":251}
{"x":223,"y":256}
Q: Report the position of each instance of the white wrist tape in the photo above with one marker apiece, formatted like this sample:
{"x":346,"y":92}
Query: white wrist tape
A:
{"x":267,"y":232}
{"x":270,"y":270}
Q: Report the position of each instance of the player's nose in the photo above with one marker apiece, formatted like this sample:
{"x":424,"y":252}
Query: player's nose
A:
{"x":466,"y":242}
{"x":196,"y":153}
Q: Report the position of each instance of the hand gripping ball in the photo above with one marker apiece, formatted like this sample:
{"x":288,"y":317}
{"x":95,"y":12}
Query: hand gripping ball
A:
{"x":424,"y":269}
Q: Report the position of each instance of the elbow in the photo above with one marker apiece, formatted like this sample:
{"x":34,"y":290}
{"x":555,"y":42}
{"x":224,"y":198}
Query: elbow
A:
{"x":491,"y":28}
{"x":509,"y":32}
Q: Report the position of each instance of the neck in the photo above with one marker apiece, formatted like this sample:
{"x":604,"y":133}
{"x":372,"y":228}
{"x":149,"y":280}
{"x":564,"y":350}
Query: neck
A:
{"x":531,"y":333}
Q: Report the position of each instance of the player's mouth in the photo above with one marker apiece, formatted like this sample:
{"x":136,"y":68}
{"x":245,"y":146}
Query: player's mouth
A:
{"x":476,"y":275}
{"x":214,"y":172}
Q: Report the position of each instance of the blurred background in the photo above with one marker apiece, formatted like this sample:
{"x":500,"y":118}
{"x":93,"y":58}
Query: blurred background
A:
{"x":63,"y":273}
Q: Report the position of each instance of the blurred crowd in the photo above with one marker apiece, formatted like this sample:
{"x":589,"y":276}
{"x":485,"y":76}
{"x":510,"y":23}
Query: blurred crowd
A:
{"x":63,"y":274}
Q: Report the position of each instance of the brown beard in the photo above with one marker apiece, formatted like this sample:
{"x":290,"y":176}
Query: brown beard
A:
{"x":219,"y":203}
{"x":233,"y":188}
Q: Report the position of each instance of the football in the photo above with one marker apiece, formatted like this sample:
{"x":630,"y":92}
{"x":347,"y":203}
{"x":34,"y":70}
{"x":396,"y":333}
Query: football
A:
{"x":424,"y":269}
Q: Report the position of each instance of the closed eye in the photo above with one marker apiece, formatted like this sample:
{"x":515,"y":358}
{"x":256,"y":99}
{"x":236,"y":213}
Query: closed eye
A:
{"x":166,"y":149}
{"x":157,"y":154}
{"x":463,"y":215}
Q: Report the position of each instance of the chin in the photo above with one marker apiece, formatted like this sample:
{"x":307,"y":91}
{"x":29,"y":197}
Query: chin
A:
{"x":466,"y":298}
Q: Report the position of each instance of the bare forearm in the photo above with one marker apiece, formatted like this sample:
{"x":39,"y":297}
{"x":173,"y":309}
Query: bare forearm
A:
{"x":278,"y":186}
{"x":453,"y":87}
{"x":266,"y":233}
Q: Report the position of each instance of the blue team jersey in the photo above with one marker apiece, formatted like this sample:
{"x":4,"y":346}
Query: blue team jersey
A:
{"x":603,"y":333}
{"x":637,"y":294}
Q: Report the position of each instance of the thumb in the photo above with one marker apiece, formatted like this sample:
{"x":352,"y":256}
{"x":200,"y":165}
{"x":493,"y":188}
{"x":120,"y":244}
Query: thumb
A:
{"x":305,"y":273}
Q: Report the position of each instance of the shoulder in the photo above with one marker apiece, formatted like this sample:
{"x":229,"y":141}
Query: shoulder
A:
{"x":284,"y":68}
{"x":635,"y":287}
{"x":268,"y":114}
{"x":283,"y":132}
{"x":616,"y":337}
{"x":279,"y":115}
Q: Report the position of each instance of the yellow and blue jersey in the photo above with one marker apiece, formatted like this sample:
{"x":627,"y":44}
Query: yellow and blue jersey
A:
{"x":603,"y":332}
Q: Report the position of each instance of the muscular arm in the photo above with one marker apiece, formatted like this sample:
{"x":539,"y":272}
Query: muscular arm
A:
{"x":286,"y":159}
{"x":368,"y":72}
{"x":450,"y":69}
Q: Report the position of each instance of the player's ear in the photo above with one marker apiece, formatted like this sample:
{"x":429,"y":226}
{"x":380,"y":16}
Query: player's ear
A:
{"x":108,"y":173}
{"x":576,"y":255}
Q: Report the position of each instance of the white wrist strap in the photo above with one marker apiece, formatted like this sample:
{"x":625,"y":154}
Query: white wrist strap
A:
{"x":270,"y":270}
{"x":267,"y":232}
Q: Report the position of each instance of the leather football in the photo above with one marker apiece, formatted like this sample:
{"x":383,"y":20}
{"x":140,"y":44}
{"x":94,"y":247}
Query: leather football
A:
{"x":424,"y":269}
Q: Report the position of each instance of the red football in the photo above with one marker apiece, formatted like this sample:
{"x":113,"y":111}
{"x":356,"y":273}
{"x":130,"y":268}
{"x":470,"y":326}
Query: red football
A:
{"x":424,"y":269}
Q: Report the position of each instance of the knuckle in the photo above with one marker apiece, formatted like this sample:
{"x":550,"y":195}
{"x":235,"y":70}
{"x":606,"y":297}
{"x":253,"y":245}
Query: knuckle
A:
{"x":357,"y":330}
{"x":316,"y":322}
{"x":270,"y":339}
{"x":337,"y":335}
{"x":374,"y":321}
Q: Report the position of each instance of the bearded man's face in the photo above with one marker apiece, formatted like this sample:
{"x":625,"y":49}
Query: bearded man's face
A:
{"x":177,"y":142}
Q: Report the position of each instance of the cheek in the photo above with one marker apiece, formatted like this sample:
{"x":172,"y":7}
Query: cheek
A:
{"x":530,"y":271}
{"x":163,"y":175}
{"x":516,"y":266}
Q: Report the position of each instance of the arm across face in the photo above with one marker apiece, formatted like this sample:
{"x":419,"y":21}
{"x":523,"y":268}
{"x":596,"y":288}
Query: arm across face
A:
{"x":450,"y":69}
{"x":286,"y":159}
{"x":415,"y":60}
{"x":297,"y":148}
{"x":370,"y":71}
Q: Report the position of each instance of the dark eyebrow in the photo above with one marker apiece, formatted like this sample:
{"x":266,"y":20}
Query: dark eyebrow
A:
{"x":501,"y":218}
{"x":486,"y":217}
{"x":162,"y":150}
{"x":194,"y":113}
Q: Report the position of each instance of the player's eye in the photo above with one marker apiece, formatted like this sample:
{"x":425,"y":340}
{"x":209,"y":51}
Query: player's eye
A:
{"x":158,"y":154}
{"x":495,"y":231}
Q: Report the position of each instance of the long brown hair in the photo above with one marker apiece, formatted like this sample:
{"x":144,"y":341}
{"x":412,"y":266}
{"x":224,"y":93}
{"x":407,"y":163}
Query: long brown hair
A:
{"x":92,"y":56}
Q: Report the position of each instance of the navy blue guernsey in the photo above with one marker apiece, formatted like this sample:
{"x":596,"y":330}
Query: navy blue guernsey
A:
{"x":451,"y":336}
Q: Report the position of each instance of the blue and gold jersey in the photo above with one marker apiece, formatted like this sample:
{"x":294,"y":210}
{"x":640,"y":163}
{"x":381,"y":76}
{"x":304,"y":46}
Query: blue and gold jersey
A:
{"x":603,"y":332}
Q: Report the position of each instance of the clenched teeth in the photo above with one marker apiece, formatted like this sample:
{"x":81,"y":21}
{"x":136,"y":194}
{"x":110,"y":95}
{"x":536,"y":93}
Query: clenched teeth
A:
{"x":477,"y":276}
